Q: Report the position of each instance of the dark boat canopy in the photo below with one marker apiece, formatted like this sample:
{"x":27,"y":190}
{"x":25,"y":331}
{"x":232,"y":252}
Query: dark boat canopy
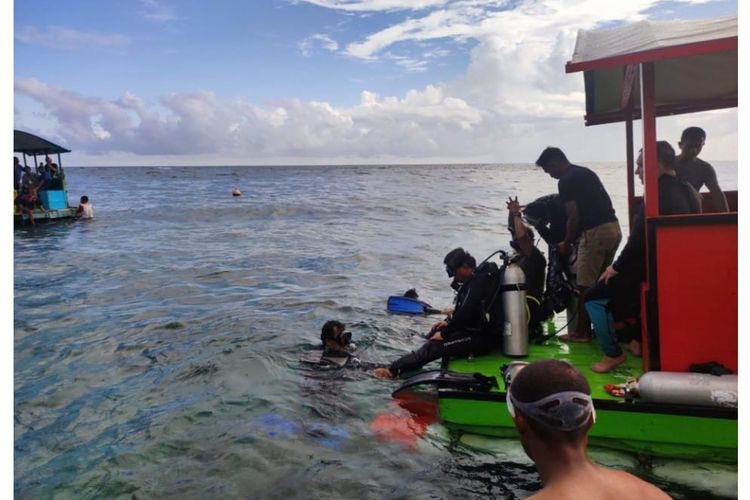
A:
{"x":30,"y":144}
{"x":695,"y":64}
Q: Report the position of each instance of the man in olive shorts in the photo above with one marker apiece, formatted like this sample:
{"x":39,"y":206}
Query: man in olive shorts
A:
{"x":591,"y":225}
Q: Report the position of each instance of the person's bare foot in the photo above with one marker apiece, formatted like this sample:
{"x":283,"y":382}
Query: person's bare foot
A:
{"x":382,"y":373}
{"x":570,"y":337}
{"x":608,"y":364}
{"x":635,"y":348}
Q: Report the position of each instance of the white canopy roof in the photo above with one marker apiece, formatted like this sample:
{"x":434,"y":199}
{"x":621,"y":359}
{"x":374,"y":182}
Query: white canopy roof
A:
{"x":695,"y":63}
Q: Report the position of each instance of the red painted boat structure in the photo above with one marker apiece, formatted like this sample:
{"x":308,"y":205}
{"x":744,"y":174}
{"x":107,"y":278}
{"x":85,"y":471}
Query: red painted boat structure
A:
{"x":651,"y":69}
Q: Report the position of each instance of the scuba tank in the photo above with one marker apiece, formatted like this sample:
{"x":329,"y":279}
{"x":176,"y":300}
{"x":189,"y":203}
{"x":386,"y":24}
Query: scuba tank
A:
{"x":689,"y":389}
{"x":516,"y":327}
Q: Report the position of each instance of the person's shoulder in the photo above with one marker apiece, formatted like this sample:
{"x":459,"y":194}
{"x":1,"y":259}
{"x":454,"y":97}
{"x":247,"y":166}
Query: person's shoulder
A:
{"x":704,"y":165}
{"x":634,"y":487}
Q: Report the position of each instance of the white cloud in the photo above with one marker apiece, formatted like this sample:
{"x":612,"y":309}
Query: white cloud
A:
{"x":376,"y":5}
{"x":513,"y":99}
{"x":58,"y":37}
{"x":307,"y":45}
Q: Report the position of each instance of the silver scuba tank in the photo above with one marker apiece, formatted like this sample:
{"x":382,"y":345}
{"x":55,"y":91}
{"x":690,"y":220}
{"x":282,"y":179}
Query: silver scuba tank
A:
{"x":516,"y":327}
{"x":689,"y":388}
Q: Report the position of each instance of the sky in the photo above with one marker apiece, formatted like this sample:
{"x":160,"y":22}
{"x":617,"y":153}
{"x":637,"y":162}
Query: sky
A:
{"x":263,"y":82}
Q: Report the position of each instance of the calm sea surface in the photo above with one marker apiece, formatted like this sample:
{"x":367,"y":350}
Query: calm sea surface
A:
{"x":157,"y":347}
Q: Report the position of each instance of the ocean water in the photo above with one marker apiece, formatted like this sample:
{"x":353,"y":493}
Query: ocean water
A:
{"x":157,"y":347}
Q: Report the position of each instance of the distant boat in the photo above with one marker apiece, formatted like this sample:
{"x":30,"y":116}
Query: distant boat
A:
{"x":54,"y":196}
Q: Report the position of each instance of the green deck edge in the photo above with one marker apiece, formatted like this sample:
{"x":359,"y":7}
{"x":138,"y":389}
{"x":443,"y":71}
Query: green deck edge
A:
{"x":657,"y":434}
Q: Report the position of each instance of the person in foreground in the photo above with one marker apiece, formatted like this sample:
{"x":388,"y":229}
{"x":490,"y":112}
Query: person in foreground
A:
{"x":620,"y":282}
{"x":476,"y":323}
{"x":550,"y":403}
{"x":591,"y":222}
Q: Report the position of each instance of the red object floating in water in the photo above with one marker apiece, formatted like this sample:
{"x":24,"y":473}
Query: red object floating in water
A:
{"x":407,"y":423}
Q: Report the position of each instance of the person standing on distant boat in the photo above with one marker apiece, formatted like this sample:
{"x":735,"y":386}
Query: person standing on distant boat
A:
{"x":551,"y":406}
{"x":696,"y":172}
{"x":476,"y":323}
{"x":29,"y":181}
{"x":17,"y":173}
{"x":591,"y":222}
{"x":620,"y":282}
{"x":85,"y":209}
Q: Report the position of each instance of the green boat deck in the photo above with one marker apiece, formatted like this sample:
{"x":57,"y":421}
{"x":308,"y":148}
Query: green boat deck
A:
{"x":582,"y":355}
{"x":678,"y":431}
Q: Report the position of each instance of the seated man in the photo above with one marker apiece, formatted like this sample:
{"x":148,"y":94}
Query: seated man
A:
{"x":476,"y":324}
{"x":550,"y":403}
{"x":28,"y":202}
{"x":621,"y":281}
{"x":696,"y":172}
{"x":533,"y":264}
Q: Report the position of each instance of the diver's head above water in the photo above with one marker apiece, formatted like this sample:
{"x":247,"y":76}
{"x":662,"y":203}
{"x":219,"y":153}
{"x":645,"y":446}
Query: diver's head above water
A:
{"x":334,"y":336}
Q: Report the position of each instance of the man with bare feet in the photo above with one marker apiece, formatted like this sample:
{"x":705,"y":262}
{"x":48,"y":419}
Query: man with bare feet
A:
{"x":621,"y":281}
{"x":591,"y":222}
{"x":550,"y":403}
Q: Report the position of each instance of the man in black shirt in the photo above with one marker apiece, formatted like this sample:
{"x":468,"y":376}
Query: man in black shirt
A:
{"x":621,"y":280}
{"x":476,"y":324}
{"x":591,"y":222}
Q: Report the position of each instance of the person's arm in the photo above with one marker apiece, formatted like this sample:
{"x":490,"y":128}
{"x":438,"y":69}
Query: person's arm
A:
{"x":571,"y":228}
{"x":632,"y":253}
{"x":716,"y":195}
{"x":519,"y":228}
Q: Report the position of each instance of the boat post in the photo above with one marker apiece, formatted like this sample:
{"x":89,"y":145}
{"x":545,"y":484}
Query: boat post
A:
{"x":626,"y":103}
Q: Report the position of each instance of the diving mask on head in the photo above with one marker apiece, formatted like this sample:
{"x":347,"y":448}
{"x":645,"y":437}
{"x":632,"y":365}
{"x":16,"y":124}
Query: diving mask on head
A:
{"x":563,"y":411}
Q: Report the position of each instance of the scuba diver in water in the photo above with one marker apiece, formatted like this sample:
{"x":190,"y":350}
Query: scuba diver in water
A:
{"x":472,"y":329}
{"x":338,"y":349}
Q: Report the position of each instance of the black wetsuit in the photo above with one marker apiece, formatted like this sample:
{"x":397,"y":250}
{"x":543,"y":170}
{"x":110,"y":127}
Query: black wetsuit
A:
{"x":330,"y":359}
{"x":469,"y":331}
{"x":533,"y":267}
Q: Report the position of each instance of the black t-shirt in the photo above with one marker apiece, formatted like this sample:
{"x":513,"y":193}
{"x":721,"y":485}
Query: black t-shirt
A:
{"x":675,"y":197}
{"x":583,"y":186}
